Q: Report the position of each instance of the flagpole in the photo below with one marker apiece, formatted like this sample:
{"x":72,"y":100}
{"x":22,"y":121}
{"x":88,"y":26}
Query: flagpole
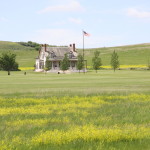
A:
{"x":83,"y":52}
{"x":84,"y":34}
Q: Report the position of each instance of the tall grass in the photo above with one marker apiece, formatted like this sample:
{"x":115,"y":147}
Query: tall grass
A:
{"x":96,"y":122}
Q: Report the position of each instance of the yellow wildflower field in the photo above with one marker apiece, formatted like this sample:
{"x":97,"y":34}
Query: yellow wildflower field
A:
{"x":26,"y":68}
{"x":122,"y":66}
{"x":30,"y":123}
{"x":89,"y":67}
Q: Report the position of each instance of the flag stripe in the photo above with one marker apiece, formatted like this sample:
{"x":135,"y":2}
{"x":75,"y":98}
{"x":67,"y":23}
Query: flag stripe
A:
{"x":86,"y":34}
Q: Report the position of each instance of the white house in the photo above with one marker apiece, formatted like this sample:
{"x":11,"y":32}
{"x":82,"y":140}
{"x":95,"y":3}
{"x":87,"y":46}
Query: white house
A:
{"x":56,"y":55}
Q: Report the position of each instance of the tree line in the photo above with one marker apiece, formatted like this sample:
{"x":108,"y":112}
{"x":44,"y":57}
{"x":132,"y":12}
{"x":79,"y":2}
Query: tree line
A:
{"x":96,"y":62}
{"x":35,"y":45}
{"x":31,"y":44}
{"x":8,"y":62}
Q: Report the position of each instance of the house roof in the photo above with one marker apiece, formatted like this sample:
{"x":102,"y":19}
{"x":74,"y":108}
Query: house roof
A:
{"x":59,"y":51}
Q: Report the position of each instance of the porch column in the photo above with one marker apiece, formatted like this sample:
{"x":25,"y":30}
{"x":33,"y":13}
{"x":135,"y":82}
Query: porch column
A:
{"x":57,"y":65}
{"x":75,"y":65}
{"x":37,"y":66}
{"x":70,"y":66}
{"x":52,"y":65}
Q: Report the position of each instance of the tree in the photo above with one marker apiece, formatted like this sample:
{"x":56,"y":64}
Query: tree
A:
{"x":96,"y":61}
{"x":8,"y":62}
{"x":80,"y":63}
{"x":35,"y":45}
{"x":38,"y":47}
{"x":65,"y":63}
{"x":148,"y":64}
{"x":114,"y":61}
{"x":48,"y":64}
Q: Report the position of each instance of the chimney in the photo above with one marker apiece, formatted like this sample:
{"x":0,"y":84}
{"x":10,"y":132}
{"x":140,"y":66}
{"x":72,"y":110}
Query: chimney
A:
{"x":70,"y":45}
{"x":45,"y":47}
{"x":74,"y":48}
{"x":40,"y":48}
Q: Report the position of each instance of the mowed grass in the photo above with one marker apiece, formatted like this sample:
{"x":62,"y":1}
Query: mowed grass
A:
{"x":90,"y":83}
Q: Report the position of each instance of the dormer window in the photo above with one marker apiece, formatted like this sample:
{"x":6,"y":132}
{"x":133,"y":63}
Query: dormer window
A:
{"x":53,"y":55}
{"x":71,"y":54}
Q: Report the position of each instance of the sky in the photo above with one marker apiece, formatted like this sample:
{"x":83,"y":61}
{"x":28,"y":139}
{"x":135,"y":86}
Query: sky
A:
{"x":61,"y":22}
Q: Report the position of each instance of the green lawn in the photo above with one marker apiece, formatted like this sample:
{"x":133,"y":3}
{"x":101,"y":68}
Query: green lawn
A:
{"x":104,"y":82}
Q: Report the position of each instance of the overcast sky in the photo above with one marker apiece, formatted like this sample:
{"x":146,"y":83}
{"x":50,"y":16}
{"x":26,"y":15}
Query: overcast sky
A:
{"x":60,"y":22}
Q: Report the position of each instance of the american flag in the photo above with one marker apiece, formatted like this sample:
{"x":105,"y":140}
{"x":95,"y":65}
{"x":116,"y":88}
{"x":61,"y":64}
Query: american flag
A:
{"x":85,"y":33}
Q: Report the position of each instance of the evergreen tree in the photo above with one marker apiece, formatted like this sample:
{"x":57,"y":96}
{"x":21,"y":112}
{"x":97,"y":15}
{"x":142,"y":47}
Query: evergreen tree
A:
{"x":65,"y":63}
{"x":8,"y":62}
{"x":48,"y":64}
{"x":80,"y":63}
{"x":96,"y":60}
{"x":148,"y":64}
{"x":114,"y":61}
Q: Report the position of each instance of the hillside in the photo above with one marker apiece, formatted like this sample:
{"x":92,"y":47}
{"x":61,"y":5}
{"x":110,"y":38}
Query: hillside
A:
{"x":25,"y":55}
{"x":6,"y":45}
{"x":128,"y":55}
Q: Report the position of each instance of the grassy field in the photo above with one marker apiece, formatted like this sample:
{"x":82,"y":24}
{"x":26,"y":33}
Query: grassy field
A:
{"x":104,"y":82}
{"x":128,"y":55}
{"x":91,"y":111}
{"x":85,"y":123}
{"x":102,"y":111}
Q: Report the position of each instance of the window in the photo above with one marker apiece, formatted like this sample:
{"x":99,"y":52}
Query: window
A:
{"x":53,"y":55}
{"x":71,"y":54}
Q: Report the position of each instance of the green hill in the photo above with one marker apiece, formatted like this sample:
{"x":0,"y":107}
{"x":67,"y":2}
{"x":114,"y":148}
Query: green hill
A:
{"x":128,"y":55}
{"x":25,"y":55}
